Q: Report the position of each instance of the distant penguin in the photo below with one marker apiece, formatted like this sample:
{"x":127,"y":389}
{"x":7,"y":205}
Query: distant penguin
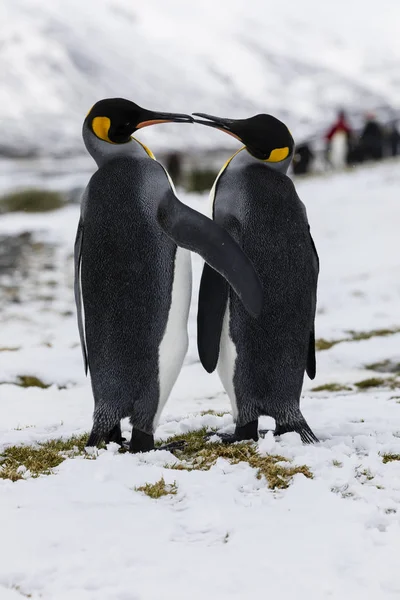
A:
{"x":261,"y":362}
{"x":132,"y":282}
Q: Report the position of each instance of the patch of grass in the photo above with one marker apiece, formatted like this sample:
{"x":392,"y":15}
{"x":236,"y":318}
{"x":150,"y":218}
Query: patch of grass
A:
{"x":40,"y":459}
{"x":26,"y":381}
{"x":385,"y":366}
{"x":331,"y":387}
{"x":388,"y":457}
{"x":200,"y":180}
{"x":366,"y":335}
{"x":366,"y":473}
{"x":371,"y":382}
{"x":322,"y":344}
{"x":9,"y":348}
{"x":31,"y":200}
{"x":158,"y":489}
{"x":337,"y":463}
{"x":201,"y":455}
{"x":213,"y":413}
{"x":355,"y":336}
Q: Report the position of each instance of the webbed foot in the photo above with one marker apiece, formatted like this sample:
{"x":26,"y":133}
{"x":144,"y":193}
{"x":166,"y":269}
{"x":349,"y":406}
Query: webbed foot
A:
{"x":241,"y":434}
{"x":144,"y":442}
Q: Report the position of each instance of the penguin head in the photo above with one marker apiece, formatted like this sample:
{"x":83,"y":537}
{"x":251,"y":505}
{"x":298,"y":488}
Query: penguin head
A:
{"x":264,"y":136}
{"x":114,"y":120}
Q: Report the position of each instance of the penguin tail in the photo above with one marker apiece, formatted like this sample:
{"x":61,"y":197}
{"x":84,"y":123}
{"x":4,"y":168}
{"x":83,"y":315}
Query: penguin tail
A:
{"x":105,"y":419}
{"x":298,"y":424}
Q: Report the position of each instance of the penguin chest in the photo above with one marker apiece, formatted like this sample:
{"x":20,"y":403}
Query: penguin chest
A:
{"x":174,"y":343}
{"x":227,"y":360}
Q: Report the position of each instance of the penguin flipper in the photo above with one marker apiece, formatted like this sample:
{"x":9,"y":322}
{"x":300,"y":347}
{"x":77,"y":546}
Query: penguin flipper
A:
{"x":311,"y":361}
{"x":78,"y":291}
{"x":213,"y":296}
{"x":193,"y":231}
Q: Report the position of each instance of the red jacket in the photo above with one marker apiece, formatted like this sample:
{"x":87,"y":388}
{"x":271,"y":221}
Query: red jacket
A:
{"x":340,"y":125}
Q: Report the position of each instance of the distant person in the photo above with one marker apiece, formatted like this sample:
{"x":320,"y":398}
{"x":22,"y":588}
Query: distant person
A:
{"x":173,"y":164}
{"x":302,"y":159}
{"x":338,"y":142}
{"x":371,"y":139}
{"x":394,"y":140}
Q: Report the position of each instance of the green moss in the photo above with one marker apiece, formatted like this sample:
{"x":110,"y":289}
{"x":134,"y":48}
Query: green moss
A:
{"x":337,"y":463}
{"x":213,"y":413}
{"x":384,"y":366}
{"x":31,"y":200}
{"x":365,"y":473}
{"x":200,"y":180}
{"x":31,"y":381}
{"x":355,"y":336}
{"x":40,"y":459}
{"x":372,"y":382}
{"x":158,"y":489}
{"x":322,"y":344}
{"x":331,"y":387}
{"x":201,"y":455}
{"x":366,"y":335}
{"x":388,"y":457}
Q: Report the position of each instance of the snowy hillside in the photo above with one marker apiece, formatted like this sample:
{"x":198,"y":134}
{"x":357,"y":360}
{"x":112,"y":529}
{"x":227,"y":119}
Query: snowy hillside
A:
{"x":299,"y":60}
{"x":85,"y":532}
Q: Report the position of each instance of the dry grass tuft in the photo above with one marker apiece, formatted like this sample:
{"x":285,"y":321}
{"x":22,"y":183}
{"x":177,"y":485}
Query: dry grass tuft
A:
{"x":158,"y":489}
{"x":39,"y":459}
{"x":332,"y":387}
{"x":390,"y":457}
{"x":201,"y":455}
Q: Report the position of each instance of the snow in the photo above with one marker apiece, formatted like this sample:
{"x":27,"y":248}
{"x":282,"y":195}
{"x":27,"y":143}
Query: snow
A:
{"x":85,"y":533}
{"x":298,"y":60}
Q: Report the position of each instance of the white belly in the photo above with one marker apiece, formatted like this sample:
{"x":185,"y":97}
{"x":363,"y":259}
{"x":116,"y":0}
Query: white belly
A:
{"x":227,"y":361}
{"x":338,"y":150}
{"x":174,"y":344}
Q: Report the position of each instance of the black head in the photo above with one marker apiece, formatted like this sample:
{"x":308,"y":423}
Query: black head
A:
{"x":114,"y":120}
{"x":264,"y":136}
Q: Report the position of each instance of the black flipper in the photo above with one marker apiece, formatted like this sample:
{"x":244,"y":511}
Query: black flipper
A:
{"x":77,"y":290}
{"x":193,"y":231}
{"x":311,"y":360}
{"x":213,"y":296}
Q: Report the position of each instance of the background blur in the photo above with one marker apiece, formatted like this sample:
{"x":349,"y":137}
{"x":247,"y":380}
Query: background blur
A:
{"x":301,"y":61}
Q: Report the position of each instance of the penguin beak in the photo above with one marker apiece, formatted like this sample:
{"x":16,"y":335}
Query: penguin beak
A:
{"x":153,"y":118}
{"x":226,"y":125}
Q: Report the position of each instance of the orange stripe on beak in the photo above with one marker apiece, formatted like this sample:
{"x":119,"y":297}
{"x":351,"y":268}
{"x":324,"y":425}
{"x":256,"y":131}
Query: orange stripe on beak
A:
{"x":152,"y":122}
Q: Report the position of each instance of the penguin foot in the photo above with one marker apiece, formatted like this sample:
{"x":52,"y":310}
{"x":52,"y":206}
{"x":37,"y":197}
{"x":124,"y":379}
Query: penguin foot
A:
{"x":178,"y":445}
{"x":144,"y":442}
{"x":141,"y":441}
{"x":241,"y":434}
{"x":115,"y":435}
{"x":301,"y":427}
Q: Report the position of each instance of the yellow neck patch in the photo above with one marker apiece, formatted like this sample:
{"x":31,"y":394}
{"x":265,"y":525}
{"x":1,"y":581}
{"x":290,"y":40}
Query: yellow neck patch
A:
{"x":278,"y":154}
{"x":149,"y":152}
{"x":101,"y":127}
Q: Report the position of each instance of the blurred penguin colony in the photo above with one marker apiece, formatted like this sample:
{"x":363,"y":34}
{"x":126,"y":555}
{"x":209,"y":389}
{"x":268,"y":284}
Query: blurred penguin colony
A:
{"x":344,"y":145}
{"x":350,"y":139}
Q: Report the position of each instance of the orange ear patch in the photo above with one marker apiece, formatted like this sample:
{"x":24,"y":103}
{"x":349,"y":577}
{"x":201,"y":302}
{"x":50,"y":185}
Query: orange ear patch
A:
{"x":278,"y":154}
{"x":101,"y":127}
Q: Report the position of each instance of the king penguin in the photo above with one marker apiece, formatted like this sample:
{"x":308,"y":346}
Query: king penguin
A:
{"x":261,"y":362}
{"x":132,"y":281}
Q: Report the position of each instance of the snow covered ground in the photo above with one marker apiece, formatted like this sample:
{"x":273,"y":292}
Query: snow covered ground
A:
{"x":83,"y":532}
